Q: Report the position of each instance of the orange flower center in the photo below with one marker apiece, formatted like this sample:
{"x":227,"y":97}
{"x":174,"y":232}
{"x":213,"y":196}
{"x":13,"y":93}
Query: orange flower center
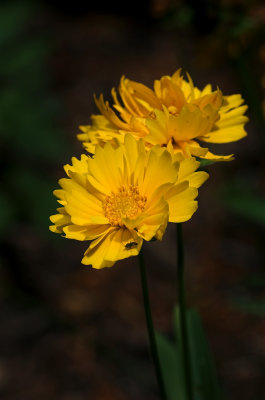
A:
{"x":127,"y":203}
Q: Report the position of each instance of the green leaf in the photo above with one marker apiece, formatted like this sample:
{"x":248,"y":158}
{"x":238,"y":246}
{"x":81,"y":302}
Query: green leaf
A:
{"x":243,"y":26}
{"x":34,"y":198}
{"x":172,"y":370}
{"x":245,"y":203}
{"x":7,"y":213}
{"x":26,"y":126}
{"x":27,"y":59}
{"x":180,"y":18}
{"x":204,"y":380}
{"x":13,"y":16}
{"x":254,"y":281}
{"x":249,"y":306}
{"x":204,"y":162}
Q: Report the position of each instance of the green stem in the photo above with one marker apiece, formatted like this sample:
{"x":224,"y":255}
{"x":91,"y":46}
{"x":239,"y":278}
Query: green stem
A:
{"x":150,"y":328}
{"x":182,"y":313}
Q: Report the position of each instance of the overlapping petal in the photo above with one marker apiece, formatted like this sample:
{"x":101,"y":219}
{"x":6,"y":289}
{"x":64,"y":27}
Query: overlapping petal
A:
{"x":125,"y":194}
{"x":175,"y":114}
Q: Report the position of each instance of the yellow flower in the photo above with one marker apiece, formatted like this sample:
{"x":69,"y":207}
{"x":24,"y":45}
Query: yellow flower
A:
{"x":124,"y":195}
{"x":175,"y":114}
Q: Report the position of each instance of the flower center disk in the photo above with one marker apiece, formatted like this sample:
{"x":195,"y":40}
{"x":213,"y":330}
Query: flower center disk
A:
{"x":126,"y":203}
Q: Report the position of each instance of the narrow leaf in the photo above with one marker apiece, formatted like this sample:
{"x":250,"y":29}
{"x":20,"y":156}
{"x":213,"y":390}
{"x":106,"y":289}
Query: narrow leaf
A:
{"x":204,"y":381}
{"x":172,"y":370}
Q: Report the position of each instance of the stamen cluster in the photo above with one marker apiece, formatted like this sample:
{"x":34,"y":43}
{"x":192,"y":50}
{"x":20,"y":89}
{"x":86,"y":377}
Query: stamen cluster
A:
{"x":126,"y":203}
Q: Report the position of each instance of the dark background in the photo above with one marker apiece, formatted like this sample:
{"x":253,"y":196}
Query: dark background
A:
{"x":68,"y":332}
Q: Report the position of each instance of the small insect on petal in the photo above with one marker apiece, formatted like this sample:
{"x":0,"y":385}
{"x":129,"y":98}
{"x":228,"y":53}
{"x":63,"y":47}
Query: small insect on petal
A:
{"x":122,"y":196}
{"x":131,"y":245}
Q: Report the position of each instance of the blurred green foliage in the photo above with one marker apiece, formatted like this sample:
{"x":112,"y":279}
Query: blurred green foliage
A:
{"x":242,"y":200}
{"x":30,"y":140}
{"x":249,"y":306}
{"x":172,"y":368}
{"x":205,"y":384}
{"x":251,"y":301}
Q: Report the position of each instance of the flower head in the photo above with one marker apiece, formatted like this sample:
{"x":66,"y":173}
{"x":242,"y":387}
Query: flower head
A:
{"x":175,"y":114}
{"x":123,"y":195}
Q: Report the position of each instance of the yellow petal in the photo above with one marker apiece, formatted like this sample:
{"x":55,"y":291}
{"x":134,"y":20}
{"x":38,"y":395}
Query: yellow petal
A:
{"x":190,"y":123}
{"x":124,"y":243}
{"x":108,"y":113}
{"x":158,"y":129}
{"x":100,"y":121}
{"x":131,"y":153}
{"x":233,"y":117}
{"x":197,"y":178}
{"x":181,"y":204}
{"x":215,"y":99}
{"x":232,"y":101}
{"x":89,"y":232}
{"x":95,"y":254}
{"x":104,"y":251}
{"x":225,"y":135}
{"x":99,"y":219}
{"x":206,"y":90}
{"x":82,"y":206}
{"x":156,"y":218}
{"x":213,"y":157}
{"x":78,"y":166}
{"x":187,"y":172}
{"x":61,"y":195}
{"x":160,"y":169}
{"x":107,"y":166}
{"x":187,"y":167}
{"x":169,"y":92}
{"x":59,"y":221}
{"x":198,"y":151}
{"x":145,"y":94}
{"x":138,"y":175}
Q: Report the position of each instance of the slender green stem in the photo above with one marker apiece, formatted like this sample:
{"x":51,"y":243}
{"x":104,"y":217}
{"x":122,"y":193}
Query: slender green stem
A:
{"x":182,"y":313}
{"x":150,"y":328}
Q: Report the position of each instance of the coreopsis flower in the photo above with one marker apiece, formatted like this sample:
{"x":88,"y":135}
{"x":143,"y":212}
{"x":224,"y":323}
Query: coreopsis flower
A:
{"x":175,"y":114}
{"x":123,"y":195}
